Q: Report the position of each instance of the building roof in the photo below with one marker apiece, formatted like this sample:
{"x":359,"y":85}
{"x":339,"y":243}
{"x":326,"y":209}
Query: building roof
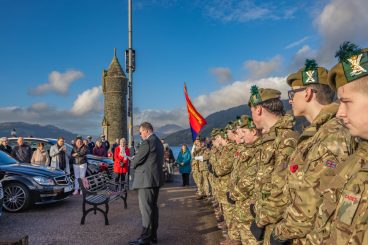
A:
{"x":115,"y":67}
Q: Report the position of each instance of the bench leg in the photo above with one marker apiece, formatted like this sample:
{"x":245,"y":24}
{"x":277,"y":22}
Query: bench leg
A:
{"x":84,"y":213}
{"x":105,"y":213}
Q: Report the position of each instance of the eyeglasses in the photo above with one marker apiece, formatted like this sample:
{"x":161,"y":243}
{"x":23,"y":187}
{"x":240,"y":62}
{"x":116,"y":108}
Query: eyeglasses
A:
{"x":291,"y":93}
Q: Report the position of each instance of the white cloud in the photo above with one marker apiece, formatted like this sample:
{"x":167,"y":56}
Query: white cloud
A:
{"x":297,"y":43}
{"x":223,"y":74}
{"x":87,"y":101}
{"x":306,"y":52}
{"x":261,"y":69}
{"x":248,"y":10}
{"x":43,"y":114}
{"x":58,"y":82}
{"x":340,"y":21}
{"x":232,"y":95}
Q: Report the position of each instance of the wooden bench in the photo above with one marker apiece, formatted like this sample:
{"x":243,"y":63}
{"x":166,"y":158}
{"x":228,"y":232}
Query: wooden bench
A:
{"x":100,"y":190}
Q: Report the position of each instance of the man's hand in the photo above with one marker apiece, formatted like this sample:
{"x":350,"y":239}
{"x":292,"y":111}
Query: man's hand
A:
{"x":257,"y":232}
{"x":74,"y":154}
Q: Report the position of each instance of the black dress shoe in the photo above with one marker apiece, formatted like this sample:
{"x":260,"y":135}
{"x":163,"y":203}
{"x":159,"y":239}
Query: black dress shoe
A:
{"x":139,"y":242}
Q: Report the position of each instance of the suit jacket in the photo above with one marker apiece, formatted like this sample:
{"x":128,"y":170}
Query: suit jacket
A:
{"x":148,"y":164}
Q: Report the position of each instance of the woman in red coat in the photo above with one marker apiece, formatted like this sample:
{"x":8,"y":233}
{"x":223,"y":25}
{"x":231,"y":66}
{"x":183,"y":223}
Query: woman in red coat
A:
{"x":121,"y":161}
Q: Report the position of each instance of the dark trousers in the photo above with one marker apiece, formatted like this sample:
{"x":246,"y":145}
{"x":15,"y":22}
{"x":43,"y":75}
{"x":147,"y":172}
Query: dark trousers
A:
{"x":119,"y":177}
{"x":147,"y":198}
{"x":185,"y":178}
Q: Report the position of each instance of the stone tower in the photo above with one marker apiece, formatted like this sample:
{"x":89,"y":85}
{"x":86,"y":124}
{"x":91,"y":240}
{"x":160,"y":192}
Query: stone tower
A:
{"x":114,"y":87}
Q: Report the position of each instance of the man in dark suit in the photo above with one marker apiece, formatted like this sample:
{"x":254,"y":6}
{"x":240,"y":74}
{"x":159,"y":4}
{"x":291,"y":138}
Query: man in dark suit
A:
{"x":148,"y":178}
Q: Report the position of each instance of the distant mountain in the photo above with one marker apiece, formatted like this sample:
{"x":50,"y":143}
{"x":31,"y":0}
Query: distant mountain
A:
{"x":34,"y":130}
{"x":161,"y":132}
{"x":219,"y":120}
{"x":167,"y":130}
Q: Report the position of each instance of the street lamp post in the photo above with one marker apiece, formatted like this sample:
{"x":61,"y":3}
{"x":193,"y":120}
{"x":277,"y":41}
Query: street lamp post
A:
{"x":130,"y":69}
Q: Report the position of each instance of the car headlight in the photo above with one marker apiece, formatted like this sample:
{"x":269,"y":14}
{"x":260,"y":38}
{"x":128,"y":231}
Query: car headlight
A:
{"x":43,"y":181}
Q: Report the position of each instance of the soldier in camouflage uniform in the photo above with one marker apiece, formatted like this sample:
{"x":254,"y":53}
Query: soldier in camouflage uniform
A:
{"x":203,"y":170}
{"x":212,"y":159}
{"x":278,"y":142}
{"x":243,"y":177}
{"x":195,"y":167}
{"x":223,"y":170}
{"x":321,"y":149}
{"x":350,"y":216}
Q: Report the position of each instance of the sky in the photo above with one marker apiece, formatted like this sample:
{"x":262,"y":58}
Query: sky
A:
{"x":52,"y":53}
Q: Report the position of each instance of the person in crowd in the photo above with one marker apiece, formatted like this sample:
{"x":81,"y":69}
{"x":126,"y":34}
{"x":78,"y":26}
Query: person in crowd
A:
{"x":4,"y":145}
{"x":59,"y":156}
{"x":183,"y":160}
{"x":121,"y":161}
{"x":72,"y":142}
{"x":22,"y":152}
{"x":40,"y":156}
{"x":169,"y":160}
{"x":116,"y":144}
{"x":148,"y":178}
{"x":105,"y":143}
{"x":85,"y":142}
{"x":99,"y":150}
{"x":79,"y":153}
{"x":90,"y":144}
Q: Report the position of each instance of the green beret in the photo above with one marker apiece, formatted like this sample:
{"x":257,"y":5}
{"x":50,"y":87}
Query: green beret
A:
{"x":311,"y":73}
{"x":246,"y":122}
{"x":258,"y":96}
{"x":353,"y":64}
{"x":229,"y":126}
{"x":223,"y":134}
{"x":215,"y":132}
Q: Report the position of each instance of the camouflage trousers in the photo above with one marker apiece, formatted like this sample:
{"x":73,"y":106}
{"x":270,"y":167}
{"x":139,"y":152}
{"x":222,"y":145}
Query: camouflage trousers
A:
{"x":231,"y":222}
{"x":243,"y":218}
{"x":204,"y":187}
{"x":196,"y":178}
{"x":267,"y":235}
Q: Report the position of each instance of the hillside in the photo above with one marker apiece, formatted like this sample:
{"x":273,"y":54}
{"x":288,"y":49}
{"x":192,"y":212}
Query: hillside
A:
{"x":34,"y":130}
{"x":219,"y":120}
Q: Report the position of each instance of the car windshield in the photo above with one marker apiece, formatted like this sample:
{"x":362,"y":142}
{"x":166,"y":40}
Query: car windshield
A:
{"x":5,"y":159}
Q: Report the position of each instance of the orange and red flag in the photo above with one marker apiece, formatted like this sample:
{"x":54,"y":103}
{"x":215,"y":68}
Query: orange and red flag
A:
{"x":196,"y":121}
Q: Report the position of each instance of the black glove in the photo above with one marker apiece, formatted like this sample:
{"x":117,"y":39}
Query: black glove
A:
{"x":257,"y":232}
{"x":275,"y":241}
{"x":229,"y":200}
{"x":252,"y":211}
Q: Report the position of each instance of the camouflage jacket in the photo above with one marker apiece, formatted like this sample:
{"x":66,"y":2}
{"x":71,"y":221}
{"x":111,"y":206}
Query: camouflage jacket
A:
{"x":277,"y":146}
{"x":242,"y":185}
{"x":322,"y":147}
{"x":224,"y":166}
{"x":348,"y":193}
{"x":195,"y":163}
{"x":202,"y":164}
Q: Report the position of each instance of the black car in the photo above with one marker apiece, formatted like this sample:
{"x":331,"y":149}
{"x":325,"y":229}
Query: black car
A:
{"x":24,"y":184}
{"x":1,"y":194}
{"x":94,"y":164}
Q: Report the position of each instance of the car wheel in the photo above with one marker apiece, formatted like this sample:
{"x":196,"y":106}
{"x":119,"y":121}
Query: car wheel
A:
{"x":16,"y":197}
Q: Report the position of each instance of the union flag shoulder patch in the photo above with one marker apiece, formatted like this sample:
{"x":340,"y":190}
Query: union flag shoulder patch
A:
{"x":330,"y":164}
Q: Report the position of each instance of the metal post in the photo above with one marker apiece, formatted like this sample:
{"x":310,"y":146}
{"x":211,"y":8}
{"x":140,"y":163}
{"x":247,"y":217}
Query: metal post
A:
{"x":130,"y":77}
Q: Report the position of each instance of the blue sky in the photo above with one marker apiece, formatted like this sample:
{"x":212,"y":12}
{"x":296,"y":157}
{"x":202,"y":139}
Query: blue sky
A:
{"x":215,"y":46}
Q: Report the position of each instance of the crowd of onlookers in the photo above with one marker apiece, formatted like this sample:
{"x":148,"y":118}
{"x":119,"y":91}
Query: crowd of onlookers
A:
{"x":58,"y":156}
